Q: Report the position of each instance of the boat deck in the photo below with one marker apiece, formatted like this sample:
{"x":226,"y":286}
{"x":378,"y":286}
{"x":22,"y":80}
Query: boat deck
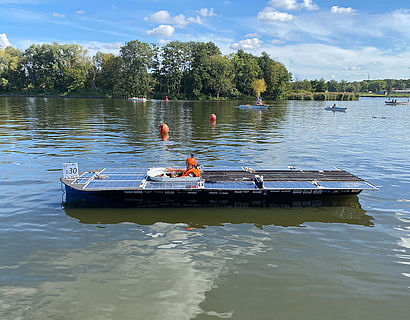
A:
{"x":288,"y":178}
{"x":220,"y":186}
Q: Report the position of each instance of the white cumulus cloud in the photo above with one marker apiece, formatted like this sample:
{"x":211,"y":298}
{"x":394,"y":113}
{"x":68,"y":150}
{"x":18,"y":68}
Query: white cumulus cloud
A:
{"x":293,"y":4}
{"x":196,"y":20}
{"x":270,"y":15}
{"x":165,"y":31}
{"x":4,"y":42}
{"x":247,"y":44}
{"x":205,"y":12}
{"x":161,"y":16}
{"x":341,"y":10}
{"x":309,"y":5}
{"x":252,"y":35}
{"x":58,"y":15}
{"x":179,"y":21}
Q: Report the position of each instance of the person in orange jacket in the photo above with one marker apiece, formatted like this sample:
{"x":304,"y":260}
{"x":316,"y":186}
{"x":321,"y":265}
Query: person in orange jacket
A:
{"x":190,"y":171}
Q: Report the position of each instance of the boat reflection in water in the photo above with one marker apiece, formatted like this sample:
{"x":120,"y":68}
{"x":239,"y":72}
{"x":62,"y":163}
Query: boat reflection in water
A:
{"x":332,"y":210}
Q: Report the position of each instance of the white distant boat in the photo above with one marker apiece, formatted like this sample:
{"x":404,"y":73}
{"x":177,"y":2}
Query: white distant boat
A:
{"x":138,"y":99}
{"x":395,"y":102}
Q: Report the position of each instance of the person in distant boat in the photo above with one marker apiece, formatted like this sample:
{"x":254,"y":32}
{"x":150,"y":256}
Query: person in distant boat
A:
{"x":190,"y":171}
{"x":334,"y":105}
{"x":259,"y":101}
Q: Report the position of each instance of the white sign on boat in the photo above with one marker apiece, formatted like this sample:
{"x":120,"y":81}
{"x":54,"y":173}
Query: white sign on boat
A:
{"x":70,"y":170}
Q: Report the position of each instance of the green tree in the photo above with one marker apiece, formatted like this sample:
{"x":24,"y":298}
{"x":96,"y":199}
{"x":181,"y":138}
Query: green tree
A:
{"x":56,"y":68}
{"x":12,"y":76}
{"x":221,"y":75}
{"x":246,"y":71}
{"x":376,"y":85}
{"x":333,"y":86}
{"x":276,"y":76}
{"x":319,"y":85}
{"x":136,"y":58}
{"x":198,"y":77}
{"x":109,"y":73}
{"x":174,"y":65}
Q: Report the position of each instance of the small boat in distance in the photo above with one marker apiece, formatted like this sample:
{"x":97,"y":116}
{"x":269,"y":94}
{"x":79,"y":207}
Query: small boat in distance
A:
{"x":335,"y":108}
{"x":138,"y":99}
{"x":254,"y":106}
{"x":394,"y":102}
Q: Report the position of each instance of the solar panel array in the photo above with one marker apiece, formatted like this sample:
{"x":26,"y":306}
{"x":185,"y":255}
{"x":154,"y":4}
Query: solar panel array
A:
{"x":133,"y":178}
{"x":363,"y":185}
{"x":113,"y":184}
{"x":124,"y":170}
{"x":289,"y":185}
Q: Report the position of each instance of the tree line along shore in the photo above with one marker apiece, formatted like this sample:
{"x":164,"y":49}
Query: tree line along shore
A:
{"x":179,"y":70}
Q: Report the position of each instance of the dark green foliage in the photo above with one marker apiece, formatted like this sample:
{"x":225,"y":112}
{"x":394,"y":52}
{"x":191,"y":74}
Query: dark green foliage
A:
{"x":179,"y":70}
{"x":365,"y":86}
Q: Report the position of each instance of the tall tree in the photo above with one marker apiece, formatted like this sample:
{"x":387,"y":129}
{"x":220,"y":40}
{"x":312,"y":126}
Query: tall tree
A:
{"x":12,"y":76}
{"x":136,"y":61}
{"x":246,"y":71}
{"x":198,"y":76}
{"x":220,"y":71}
{"x":174,"y":66}
{"x":109,"y":73}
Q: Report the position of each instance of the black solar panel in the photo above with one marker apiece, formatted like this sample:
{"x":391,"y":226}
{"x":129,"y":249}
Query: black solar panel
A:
{"x":111,"y":177}
{"x":87,"y":174}
{"x":289,"y":185}
{"x":123,"y":170}
{"x":245,"y":185}
{"x":223,"y":169}
{"x":112,"y":184}
{"x":82,"y":180}
{"x":346,"y":185}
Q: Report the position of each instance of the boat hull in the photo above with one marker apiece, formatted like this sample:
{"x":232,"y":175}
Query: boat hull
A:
{"x":399,"y":103}
{"x":256,"y":107}
{"x":216,"y":188}
{"x":336,"y":109}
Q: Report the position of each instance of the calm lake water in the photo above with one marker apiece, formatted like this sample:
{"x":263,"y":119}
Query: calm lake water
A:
{"x":347,"y":260}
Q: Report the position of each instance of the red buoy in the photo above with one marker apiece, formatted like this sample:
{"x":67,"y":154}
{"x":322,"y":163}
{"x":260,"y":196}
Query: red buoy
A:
{"x":212,"y":118}
{"x":163,"y":128}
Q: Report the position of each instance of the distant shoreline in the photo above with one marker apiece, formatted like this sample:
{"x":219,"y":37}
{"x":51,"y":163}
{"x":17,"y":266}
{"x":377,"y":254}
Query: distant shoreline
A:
{"x":124,"y":98}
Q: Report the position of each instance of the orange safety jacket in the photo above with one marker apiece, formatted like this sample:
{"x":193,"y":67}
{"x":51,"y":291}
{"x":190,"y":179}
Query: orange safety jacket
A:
{"x":194,"y":172}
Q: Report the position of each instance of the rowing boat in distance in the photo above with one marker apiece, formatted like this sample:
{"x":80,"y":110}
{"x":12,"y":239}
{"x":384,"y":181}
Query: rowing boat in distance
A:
{"x":396,"y":103}
{"x":254,"y":106}
{"x":336,"y":109}
{"x":215,"y":186}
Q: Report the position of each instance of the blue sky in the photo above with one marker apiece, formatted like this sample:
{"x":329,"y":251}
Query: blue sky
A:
{"x":351,"y":40}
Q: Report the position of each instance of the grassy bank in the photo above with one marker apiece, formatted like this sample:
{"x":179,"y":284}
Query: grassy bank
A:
{"x":307,"y":95}
{"x":395,"y":95}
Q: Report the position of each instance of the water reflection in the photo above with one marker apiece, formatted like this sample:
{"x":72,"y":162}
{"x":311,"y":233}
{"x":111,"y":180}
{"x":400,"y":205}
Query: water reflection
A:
{"x":347,"y":211}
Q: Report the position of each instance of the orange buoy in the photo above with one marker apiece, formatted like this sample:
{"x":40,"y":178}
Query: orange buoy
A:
{"x":212,"y":118}
{"x":163,"y":128}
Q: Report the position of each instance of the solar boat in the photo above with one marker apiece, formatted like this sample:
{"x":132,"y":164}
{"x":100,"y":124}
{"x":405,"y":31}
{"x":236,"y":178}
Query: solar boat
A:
{"x":216,"y":186}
